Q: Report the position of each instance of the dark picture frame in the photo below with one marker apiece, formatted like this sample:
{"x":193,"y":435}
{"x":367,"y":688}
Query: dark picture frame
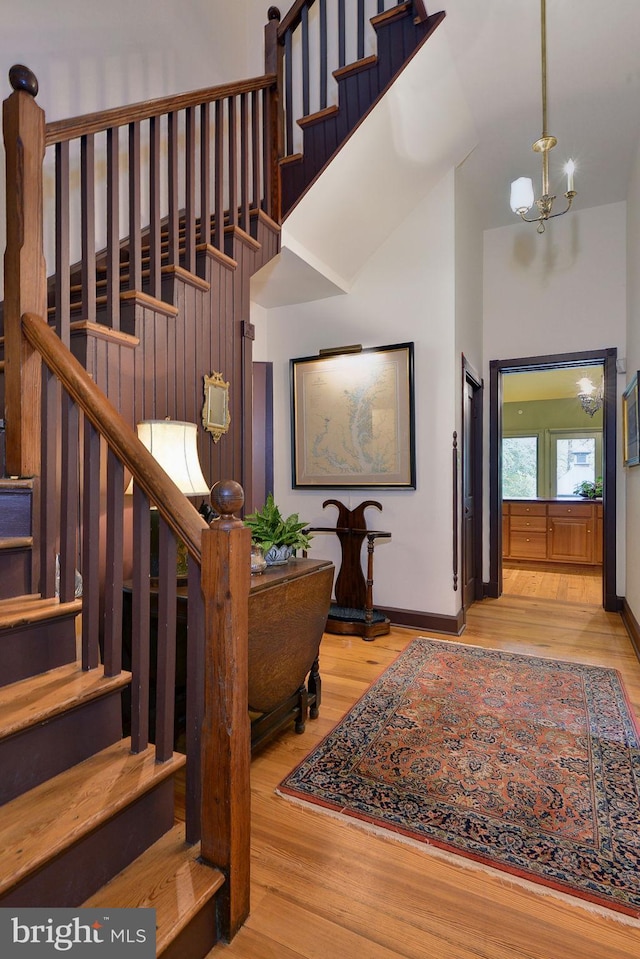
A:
{"x":630,"y":438}
{"x":353,"y":419}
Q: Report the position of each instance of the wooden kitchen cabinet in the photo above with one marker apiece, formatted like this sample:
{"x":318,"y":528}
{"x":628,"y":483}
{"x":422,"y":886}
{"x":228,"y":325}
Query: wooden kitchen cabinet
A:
{"x":553,"y":531}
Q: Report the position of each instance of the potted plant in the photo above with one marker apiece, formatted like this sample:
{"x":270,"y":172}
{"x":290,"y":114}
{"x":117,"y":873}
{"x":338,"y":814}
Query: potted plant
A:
{"x":278,"y":537}
{"x":588,"y":489}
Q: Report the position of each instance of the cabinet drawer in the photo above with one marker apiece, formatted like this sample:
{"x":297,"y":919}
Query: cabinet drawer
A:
{"x":528,"y":509}
{"x":529,"y":523}
{"x":576,"y":510}
{"x":528,"y":545}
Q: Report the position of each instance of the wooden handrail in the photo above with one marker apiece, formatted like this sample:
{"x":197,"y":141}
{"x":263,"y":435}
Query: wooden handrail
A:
{"x":61,"y":130}
{"x":181,"y":517}
{"x":292,"y":18}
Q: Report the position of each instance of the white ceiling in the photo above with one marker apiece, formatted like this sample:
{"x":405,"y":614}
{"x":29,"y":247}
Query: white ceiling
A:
{"x":593,"y":86}
{"x":552,"y":384}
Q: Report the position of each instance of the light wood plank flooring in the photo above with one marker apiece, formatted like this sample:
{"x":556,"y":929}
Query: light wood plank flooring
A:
{"x":574,"y":584}
{"x":326,"y":889}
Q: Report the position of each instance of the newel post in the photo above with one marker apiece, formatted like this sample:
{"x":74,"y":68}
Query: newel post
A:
{"x":24,"y":269}
{"x":226,"y":733}
{"x":273,"y":59}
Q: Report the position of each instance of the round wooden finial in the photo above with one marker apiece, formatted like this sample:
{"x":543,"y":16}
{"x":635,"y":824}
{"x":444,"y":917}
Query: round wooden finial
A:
{"x":227,"y":497}
{"x":22,"y":78}
{"x":273,"y":14}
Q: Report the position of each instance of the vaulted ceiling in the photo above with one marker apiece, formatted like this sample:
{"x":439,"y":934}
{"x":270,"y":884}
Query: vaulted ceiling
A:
{"x":593,"y":94}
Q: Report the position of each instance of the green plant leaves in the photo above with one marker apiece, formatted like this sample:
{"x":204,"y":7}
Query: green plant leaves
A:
{"x":269,"y":528}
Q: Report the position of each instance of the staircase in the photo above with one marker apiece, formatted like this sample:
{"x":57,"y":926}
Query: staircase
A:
{"x":89,"y":816}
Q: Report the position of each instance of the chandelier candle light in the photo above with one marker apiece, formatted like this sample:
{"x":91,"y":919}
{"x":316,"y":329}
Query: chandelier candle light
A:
{"x":522,"y":195}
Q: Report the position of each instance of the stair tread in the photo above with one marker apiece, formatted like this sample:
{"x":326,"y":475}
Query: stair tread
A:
{"x":40,"y":698}
{"x":21,"y":610}
{"x":15,"y":542}
{"x":41,"y":823}
{"x":167,"y":877}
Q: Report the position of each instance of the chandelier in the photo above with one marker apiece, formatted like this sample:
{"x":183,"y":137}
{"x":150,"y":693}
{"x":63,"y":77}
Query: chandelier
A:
{"x":522,"y":195}
{"x":591,"y":397}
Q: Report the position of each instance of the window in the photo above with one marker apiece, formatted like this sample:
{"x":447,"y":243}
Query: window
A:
{"x":576,"y":456}
{"x":519,"y":467}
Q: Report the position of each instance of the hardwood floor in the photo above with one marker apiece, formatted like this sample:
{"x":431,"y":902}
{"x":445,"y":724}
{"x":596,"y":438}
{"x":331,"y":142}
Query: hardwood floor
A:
{"x":326,"y":889}
{"x":575,"y":584}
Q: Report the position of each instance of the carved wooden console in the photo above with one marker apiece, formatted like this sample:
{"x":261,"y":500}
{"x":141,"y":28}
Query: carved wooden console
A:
{"x":353,"y":612}
{"x":288,"y":607}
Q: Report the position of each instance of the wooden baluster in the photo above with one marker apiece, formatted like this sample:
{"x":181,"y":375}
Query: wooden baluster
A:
{"x":273,"y":118}
{"x":288,"y":92}
{"x":226,"y":735}
{"x":48,"y":488}
{"x":24,"y":270}
{"x":255,"y":198}
{"x":90,"y":546}
{"x":324,"y":89}
{"x":114,"y":567}
{"x":361,"y":25}
{"x":380,"y":6}
{"x":135,"y":234}
{"x":174,"y":214}
{"x":190,"y":190}
{"x":233,"y":161}
{"x":140,"y":623}
{"x":244,"y":163}
{"x":63,"y":266}
{"x":218,"y":177}
{"x":69,"y":496}
{"x":113,"y":227}
{"x":342,"y":33}
{"x":195,"y":702}
{"x":155,"y":226}
{"x":305,"y":61}
{"x":88,"y":225}
{"x":205,"y":173}
{"x":166,"y":644}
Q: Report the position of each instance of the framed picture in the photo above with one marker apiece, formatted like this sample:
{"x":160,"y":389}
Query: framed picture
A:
{"x":630,"y":448}
{"x":353,"y":419}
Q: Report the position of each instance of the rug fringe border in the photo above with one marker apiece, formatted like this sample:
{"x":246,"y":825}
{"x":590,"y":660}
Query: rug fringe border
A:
{"x":465,"y":862}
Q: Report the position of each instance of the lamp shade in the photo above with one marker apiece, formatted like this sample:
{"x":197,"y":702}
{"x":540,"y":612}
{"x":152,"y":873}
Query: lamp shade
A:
{"x":173,"y":444}
{"x":522,"y":194}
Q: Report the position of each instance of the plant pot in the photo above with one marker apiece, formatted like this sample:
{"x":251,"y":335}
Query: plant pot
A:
{"x":278,"y":555}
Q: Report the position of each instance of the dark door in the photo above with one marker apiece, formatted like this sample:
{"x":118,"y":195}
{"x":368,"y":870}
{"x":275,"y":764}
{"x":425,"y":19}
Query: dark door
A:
{"x":471,"y":490}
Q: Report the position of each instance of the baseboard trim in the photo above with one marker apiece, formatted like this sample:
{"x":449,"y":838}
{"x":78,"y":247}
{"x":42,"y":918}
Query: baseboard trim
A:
{"x":432,"y":622}
{"x":631,"y":625}
{"x":491,"y":590}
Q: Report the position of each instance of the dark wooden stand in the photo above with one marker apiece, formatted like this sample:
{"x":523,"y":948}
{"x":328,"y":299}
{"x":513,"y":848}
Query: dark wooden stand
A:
{"x":353,"y":613}
{"x":288,"y":607}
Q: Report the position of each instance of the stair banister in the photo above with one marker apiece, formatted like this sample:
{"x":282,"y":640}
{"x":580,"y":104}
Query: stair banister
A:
{"x":185,"y":522}
{"x":218,"y":790}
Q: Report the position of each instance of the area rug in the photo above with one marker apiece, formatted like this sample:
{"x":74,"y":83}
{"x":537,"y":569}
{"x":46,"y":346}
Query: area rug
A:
{"x":528,"y":765}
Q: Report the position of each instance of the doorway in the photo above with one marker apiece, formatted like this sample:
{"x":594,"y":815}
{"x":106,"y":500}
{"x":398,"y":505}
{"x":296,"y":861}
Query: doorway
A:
{"x":563,"y":462}
{"x":472,"y":586}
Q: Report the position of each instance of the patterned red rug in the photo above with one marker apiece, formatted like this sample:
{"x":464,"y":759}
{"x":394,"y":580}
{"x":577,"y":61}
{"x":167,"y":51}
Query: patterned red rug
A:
{"x":528,"y":765}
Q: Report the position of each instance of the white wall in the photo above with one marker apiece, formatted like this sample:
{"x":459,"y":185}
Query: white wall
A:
{"x":632,"y":475}
{"x":558,"y":292}
{"x":93,"y":56}
{"x":405,"y":292}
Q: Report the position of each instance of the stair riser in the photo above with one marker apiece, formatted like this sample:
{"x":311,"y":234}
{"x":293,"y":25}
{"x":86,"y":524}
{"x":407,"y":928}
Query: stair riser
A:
{"x":49,"y":748}
{"x":35,"y":648}
{"x":75,"y":875}
{"x":198,"y":938}
{"x":15,"y":576}
{"x":15,"y":513}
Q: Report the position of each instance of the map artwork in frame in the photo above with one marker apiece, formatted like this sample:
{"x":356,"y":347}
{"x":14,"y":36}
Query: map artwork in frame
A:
{"x":353,"y":419}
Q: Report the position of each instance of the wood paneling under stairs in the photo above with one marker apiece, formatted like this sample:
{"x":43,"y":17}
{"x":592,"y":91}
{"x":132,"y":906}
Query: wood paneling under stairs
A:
{"x":324,"y":888}
{"x":574,"y":584}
